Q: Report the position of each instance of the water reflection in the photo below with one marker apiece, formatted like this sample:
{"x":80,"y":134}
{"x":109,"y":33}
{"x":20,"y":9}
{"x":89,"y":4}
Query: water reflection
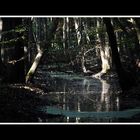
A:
{"x":82,"y":94}
{"x":109,"y":97}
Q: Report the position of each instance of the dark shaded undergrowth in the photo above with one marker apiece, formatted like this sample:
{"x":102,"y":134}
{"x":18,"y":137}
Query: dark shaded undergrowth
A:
{"x":18,"y":103}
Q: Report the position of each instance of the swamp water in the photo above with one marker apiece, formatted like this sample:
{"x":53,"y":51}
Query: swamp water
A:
{"x":78,"y":98}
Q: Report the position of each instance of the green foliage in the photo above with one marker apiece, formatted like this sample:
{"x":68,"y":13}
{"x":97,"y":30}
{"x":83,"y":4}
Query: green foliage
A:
{"x":19,"y":29}
{"x":12,"y":36}
{"x":12,"y":41}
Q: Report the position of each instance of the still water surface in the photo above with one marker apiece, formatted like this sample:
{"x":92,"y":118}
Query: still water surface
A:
{"x":77,"y":98}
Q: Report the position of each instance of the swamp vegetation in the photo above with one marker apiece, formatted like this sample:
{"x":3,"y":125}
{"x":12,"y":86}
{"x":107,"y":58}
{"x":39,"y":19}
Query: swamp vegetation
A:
{"x":69,"y":69}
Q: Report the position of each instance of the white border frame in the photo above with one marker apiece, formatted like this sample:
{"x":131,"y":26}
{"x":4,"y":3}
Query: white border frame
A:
{"x":88,"y":16}
{"x":70,"y":16}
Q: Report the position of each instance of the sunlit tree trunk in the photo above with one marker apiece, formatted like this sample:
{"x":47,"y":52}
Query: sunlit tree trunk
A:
{"x":43,"y":41}
{"x":83,"y":40}
{"x":105,"y":57}
{"x":66,"y":34}
{"x":28,"y":44}
{"x":85,"y":26}
{"x":86,"y":41}
{"x":78,"y":31}
{"x":104,"y":49}
{"x":1,"y":64}
{"x":34,"y":65}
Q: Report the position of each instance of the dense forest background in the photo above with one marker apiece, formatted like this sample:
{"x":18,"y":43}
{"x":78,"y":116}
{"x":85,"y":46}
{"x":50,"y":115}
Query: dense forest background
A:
{"x":87,"y":45}
{"x":92,"y":46}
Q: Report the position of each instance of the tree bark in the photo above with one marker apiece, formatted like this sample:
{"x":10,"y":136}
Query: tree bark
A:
{"x":34,"y":66}
{"x":137,"y":28}
{"x":41,"y":49}
{"x":0,"y":47}
{"x":104,"y":50}
{"x":125,"y":79}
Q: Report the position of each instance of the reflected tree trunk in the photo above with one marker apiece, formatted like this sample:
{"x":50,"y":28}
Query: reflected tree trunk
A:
{"x":105,"y":97}
{"x":109,"y":100}
{"x":78,"y":109}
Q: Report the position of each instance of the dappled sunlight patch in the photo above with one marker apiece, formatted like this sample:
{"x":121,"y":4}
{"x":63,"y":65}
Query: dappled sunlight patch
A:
{"x":28,"y":88}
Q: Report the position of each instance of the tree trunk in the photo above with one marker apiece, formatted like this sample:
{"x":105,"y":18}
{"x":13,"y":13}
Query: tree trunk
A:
{"x":125,"y":79}
{"x":105,"y":97}
{"x":0,"y":48}
{"x":137,"y":28}
{"x":78,"y":31}
{"x":104,"y":50}
{"x":34,"y":66}
{"x":127,"y":35}
{"x":82,"y":40}
{"x":65,"y":35}
{"x":42,"y":48}
{"x":86,"y":41}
